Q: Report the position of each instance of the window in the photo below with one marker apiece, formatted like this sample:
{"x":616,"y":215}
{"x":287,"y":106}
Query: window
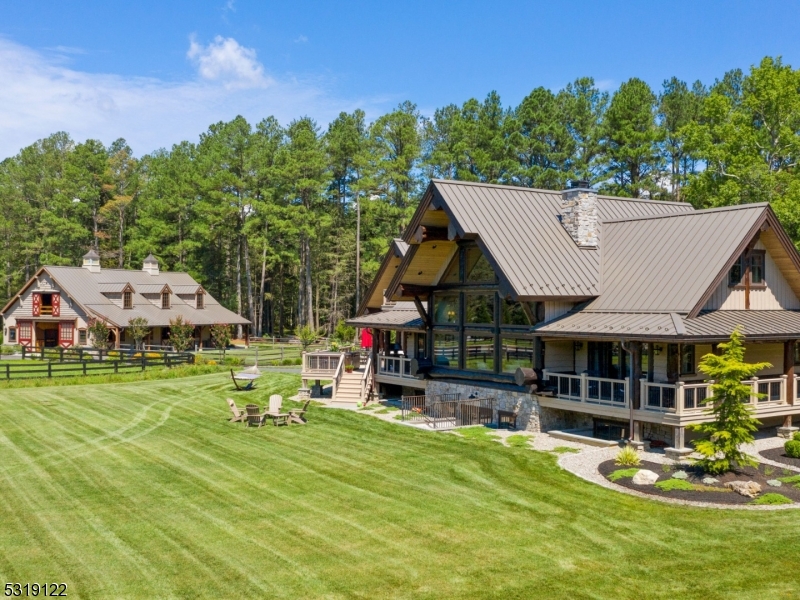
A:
{"x":756,"y":263}
{"x":687,"y":359}
{"x":445,"y":349}
{"x":164,"y":299}
{"x":514,"y":353}
{"x":513,"y":314}
{"x":453,"y":272}
{"x":82,"y":337}
{"x":479,"y":352}
{"x":479,"y":309}
{"x":47,"y":304}
{"x":127,"y":299}
{"x":478,"y":269}
{"x":445,"y":308}
{"x":66,"y":332}
{"x":12,"y":335}
{"x":199,"y":300}
{"x":25,"y":330}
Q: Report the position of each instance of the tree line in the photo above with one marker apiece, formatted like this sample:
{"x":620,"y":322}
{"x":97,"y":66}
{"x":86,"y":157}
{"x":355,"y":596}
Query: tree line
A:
{"x":286,"y":225}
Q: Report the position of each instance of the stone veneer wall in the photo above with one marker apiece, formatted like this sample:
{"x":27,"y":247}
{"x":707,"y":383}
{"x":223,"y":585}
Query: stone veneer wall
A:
{"x":662,"y":433}
{"x":530,"y":416}
{"x":579,"y":215}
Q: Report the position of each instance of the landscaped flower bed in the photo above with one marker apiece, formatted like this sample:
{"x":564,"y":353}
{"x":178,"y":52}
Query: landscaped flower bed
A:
{"x":779,"y":455}
{"x":683,"y":482}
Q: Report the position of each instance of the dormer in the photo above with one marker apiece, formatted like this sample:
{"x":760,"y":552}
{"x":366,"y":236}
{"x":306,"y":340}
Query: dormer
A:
{"x":150,"y":265}
{"x":91,"y":261}
{"x":199,"y":299}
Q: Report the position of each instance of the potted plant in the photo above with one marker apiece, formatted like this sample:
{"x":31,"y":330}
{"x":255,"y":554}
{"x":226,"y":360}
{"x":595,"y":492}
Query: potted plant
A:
{"x":348,"y":368}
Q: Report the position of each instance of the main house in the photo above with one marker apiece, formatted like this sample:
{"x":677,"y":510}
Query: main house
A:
{"x":582,"y":311}
{"x":55,"y":307}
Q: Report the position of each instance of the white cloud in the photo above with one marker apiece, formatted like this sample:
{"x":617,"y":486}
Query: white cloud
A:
{"x":301,"y":39}
{"x":604,"y":85}
{"x":225,"y":60}
{"x":230,"y":5}
{"x":41,"y":95}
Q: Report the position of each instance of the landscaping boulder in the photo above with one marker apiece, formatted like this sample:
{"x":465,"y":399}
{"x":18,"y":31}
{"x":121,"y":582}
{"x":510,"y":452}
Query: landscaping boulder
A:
{"x":774,"y":483}
{"x":750,"y":489}
{"x":644,"y":477}
{"x":680,"y":475}
{"x":710,"y":480}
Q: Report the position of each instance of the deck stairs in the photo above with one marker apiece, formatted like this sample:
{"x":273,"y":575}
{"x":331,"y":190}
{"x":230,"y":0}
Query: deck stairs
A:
{"x":348,"y":392}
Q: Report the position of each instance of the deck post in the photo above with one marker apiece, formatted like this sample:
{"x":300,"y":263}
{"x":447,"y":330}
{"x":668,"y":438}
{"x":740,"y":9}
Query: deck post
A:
{"x":680,"y":437}
{"x":790,"y":384}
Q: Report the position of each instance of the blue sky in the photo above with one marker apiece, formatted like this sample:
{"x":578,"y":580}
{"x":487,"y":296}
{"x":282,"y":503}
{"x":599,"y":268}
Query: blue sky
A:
{"x":157,"y":72}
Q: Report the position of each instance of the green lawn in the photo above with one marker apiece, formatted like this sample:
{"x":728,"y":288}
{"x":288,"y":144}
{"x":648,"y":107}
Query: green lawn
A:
{"x":145,"y":490}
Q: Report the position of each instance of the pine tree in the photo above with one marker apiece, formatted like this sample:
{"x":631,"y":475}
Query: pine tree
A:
{"x":733,"y":423}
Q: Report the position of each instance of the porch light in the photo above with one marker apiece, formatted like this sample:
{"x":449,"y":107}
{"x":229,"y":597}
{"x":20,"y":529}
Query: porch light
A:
{"x":578,"y":346}
{"x":657,"y":349}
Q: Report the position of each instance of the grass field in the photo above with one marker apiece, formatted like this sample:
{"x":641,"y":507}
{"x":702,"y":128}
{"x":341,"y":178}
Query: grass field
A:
{"x":145,"y":490}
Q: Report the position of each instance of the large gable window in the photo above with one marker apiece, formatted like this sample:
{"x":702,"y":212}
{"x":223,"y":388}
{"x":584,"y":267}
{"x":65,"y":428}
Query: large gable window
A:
{"x":199,"y":300}
{"x":445,"y":308}
{"x":164,"y":299}
{"x":754,"y":264}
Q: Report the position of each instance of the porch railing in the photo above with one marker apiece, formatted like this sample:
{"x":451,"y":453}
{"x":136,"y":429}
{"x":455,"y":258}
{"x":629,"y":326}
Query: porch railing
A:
{"x":395,"y":366}
{"x":587,"y":389}
{"x":445,"y":411}
{"x":325,"y":363}
{"x":692,"y":398}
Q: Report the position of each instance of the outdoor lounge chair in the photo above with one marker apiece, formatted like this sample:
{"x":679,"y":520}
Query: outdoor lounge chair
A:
{"x":239,"y":416}
{"x":250,"y":378}
{"x":274,"y":412}
{"x":296,"y":415}
{"x":254,"y":416}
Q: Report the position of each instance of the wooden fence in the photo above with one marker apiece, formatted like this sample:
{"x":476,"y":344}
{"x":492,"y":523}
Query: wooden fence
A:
{"x":101,"y":363}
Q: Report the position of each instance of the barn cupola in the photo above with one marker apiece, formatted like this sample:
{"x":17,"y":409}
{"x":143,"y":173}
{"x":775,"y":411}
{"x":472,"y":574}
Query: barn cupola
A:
{"x":150,"y":265}
{"x":91,"y":261}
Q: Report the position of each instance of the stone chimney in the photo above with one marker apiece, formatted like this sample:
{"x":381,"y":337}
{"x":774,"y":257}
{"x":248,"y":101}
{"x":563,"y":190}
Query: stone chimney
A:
{"x":579,"y":213}
{"x":150,"y":265}
{"x":91,"y":261}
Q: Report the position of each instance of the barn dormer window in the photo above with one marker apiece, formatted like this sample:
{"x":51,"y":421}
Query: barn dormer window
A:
{"x":164,"y":299}
{"x":199,"y":300}
{"x":754,"y":264}
{"x":127,"y":299}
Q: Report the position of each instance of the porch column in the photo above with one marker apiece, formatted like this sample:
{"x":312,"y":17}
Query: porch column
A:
{"x":788,"y":370}
{"x":538,"y":363}
{"x":247,"y":337}
{"x":636,"y":369}
{"x":376,"y":333}
{"x":680,"y":437}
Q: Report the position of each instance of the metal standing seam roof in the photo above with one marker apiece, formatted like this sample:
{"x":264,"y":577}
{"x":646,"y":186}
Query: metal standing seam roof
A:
{"x":766,"y":324}
{"x":401,"y":315}
{"x":667,"y":263}
{"x":84,"y":287}
{"x":521,"y":231}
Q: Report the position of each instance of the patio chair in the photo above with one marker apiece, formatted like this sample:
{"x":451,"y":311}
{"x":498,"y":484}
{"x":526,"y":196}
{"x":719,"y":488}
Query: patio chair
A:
{"x":254,"y":415}
{"x":296,"y":414}
{"x":274,"y":412}
{"x":250,"y":379}
{"x":239,"y":416}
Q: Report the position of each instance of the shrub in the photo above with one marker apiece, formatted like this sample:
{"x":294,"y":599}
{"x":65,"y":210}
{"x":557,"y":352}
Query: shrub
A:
{"x":621,"y":473}
{"x":564,"y":450}
{"x":771,"y":498}
{"x":211,"y":362}
{"x":680,"y":475}
{"x":233,"y":361}
{"x":628,"y":457}
{"x":674,"y":484}
{"x":181,"y":333}
{"x":792,"y":448}
{"x":790,"y":479}
{"x":796,"y":436}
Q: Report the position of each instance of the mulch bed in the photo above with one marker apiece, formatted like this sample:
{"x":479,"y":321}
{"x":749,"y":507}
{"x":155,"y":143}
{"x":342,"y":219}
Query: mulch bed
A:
{"x":696,"y":476}
{"x":778,"y":455}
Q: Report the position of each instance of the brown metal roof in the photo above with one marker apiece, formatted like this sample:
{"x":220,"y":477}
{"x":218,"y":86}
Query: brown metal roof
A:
{"x":614,"y":325}
{"x":755,"y":324}
{"x":667,"y":263}
{"x":373,"y":298}
{"x":520,"y":231}
{"x":84,"y":287}
{"x":400,"y":316}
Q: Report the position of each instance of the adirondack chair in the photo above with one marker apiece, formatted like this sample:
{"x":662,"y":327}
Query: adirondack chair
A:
{"x":274,"y":412}
{"x":254,"y":416}
{"x":239,"y":416}
{"x":296,"y":415}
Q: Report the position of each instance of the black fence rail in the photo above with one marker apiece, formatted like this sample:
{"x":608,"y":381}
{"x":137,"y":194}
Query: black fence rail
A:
{"x":445,"y":411}
{"x":93,"y":366}
{"x":64,"y":355}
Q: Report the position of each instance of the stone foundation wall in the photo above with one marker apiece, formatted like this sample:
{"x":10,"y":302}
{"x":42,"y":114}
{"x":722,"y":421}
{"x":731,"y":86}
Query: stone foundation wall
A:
{"x":554,"y":418}
{"x":526,"y":405}
{"x":662,"y":433}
